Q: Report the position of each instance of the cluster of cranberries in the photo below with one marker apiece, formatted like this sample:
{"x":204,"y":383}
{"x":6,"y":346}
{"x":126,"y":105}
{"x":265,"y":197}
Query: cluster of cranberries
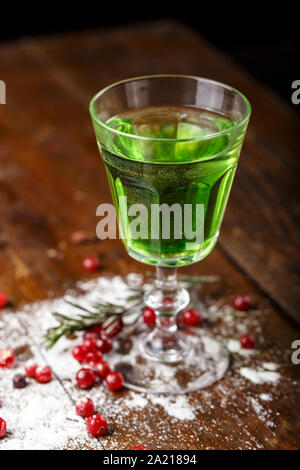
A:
{"x":192,"y":318}
{"x":96,"y":423}
{"x":42,"y":374}
{"x":97,"y":342}
{"x":188,"y":318}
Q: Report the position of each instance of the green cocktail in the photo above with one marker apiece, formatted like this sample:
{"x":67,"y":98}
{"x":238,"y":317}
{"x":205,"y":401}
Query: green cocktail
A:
{"x":170,"y":146}
{"x":174,"y":173}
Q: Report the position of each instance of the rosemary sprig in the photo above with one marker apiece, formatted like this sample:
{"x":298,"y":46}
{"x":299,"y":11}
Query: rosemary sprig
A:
{"x":189,"y":281}
{"x":192,"y":281}
{"x":106,"y":313}
{"x":103,"y":312}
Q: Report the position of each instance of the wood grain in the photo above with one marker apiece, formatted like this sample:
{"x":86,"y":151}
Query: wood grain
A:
{"x":261,"y":228}
{"x":52,"y":180}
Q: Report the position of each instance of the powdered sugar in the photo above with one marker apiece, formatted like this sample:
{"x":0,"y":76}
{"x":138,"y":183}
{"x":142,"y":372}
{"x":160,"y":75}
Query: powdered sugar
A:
{"x":265,"y":397}
{"x":259,"y":376}
{"x":261,"y":412}
{"x":38,"y":416}
{"x":270,"y":366}
{"x":43,"y":421}
{"x":177,"y":407}
{"x":45,"y":416}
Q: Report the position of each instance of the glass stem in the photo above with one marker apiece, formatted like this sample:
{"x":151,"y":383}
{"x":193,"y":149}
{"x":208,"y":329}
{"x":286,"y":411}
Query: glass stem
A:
{"x":165,"y":343}
{"x":166,"y":285}
{"x":166,"y":278}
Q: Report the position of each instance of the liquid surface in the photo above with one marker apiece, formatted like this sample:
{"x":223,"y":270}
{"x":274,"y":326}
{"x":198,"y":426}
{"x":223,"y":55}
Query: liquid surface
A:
{"x":170,"y":123}
{"x":168,"y":172}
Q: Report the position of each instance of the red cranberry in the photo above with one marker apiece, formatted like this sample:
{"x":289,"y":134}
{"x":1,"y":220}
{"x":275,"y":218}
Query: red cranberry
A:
{"x":93,"y":357}
{"x":2,"y":428}
{"x":79,"y":236}
{"x":165,"y":321}
{"x":112,"y":328}
{"x":85,"y":378}
{"x":103,"y":345}
{"x":7,"y":358}
{"x":247,"y":341}
{"x":139,"y":447}
{"x":59,"y":255}
{"x":91,"y":263}
{"x":19,"y":381}
{"x":168,"y":301}
{"x":114,"y":380}
{"x":43,"y":374}
{"x":3,"y":299}
{"x":93,"y":331}
{"x":96,"y":424}
{"x":79,"y":352}
{"x":53,"y":147}
{"x":30,"y":368}
{"x":191,"y":317}
{"x":91,"y":334}
{"x":102,"y":369}
{"x":85,"y":407}
{"x":242,"y":302}
{"x":149,"y":316}
{"x":90,"y":343}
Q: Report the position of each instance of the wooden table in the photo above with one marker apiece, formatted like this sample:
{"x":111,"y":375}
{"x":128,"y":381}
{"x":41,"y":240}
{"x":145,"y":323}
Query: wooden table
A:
{"x":51,"y":181}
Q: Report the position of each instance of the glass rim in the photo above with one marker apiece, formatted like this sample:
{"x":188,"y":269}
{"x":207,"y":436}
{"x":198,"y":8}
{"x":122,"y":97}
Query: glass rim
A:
{"x":156,"y":139}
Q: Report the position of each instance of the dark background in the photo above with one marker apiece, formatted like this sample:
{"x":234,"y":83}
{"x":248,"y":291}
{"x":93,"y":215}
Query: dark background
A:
{"x":263,"y":37}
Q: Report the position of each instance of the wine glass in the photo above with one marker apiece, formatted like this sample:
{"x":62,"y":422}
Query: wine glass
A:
{"x":171,"y":145}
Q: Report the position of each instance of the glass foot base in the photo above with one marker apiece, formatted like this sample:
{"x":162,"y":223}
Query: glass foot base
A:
{"x":206,"y":362}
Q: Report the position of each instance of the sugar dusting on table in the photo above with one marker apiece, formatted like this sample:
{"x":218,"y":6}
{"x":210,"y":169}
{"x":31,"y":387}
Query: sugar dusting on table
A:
{"x":259,"y":376}
{"x":47,"y":419}
{"x":40,"y":416}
